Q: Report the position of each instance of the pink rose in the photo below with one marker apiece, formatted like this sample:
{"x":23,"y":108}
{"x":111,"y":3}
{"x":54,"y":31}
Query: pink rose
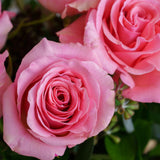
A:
{"x":130,"y":32}
{"x":59,"y":98}
{"x":4,"y":78}
{"x":5,"y":26}
{"x":69,"y":7}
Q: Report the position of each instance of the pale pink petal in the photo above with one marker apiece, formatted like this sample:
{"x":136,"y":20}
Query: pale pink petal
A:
{"x":87,"y":123}
{"x":147,"y":88}
{"x":155,"y":60}
{"x":52,"y":49}
{"x":97,"y":45}
{"x":32,"y":120}
{"x":18,"y":138}
{"x":153,"y":45}
{"x":5,"y":27}
{"x":69,"y":7}
{"x":140,"y":68}
{"x":4,"y":78}
{"x":74,"y":32}
{"x":70,"y":139}
{"x":107,"y":96}
{"x":83,"y":5}
{"x":30,"y":74}
{"x":101,"y":11}
{"x":105,"y":112}
{"x":79,"y":6}
{"x":54,"y":5}
{"x":126,"y":78}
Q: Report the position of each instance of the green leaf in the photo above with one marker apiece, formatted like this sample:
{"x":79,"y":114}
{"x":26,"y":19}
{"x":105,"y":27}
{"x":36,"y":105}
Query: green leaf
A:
{"x":85,"y":150}
{"x":156,"y":130}
{"x":33,"y":3}
{"x":6,"y":4}
{"x":154,"y":111}
{"x":149,"y":112}
{"x":20,"y":4}
{"x":155,"y":151}
{"x":142,"y":133}
{"x":100,"y":157}
{"x":125,"y":150}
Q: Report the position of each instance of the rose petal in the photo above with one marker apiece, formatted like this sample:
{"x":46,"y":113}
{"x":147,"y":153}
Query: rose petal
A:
{"x":97,"y":46}
{"x":5,"y":27}
{"x":74,"y":32}
{"x":4,"y":78}
{"x":155,"y":61}
{"x":146,"y":88}
{"x":17,"y":137}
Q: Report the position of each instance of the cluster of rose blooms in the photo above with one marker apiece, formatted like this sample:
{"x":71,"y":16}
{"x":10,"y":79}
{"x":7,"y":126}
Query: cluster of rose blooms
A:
{"x":63,"y":93}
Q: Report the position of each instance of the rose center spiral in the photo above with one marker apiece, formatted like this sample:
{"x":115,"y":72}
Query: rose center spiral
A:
{"x":61,"y":97}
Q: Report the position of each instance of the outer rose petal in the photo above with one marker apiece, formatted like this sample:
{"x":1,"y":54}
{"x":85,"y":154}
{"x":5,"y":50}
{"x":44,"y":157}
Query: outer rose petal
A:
{"x":146,"y":88}
{"x":106,"y":97}
{"x":154,"y":60}
{"x":54,"y":5}
{"x":18,"y":138}
{"x":79,"y":6}
{"x":49,"y":48}
{"x":69,"y":7}
{"x":4,"y":78}
{"x":74,"y":32}
{"x":5,"y":27}
{"x":97,"y":45}
{"x":83,"y":5}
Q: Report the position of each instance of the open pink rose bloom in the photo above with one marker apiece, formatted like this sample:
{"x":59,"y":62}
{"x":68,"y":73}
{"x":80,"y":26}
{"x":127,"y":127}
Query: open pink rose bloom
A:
{"x":129,"y":30}
{"x":60,"y":97}
{"x":69,"y":7}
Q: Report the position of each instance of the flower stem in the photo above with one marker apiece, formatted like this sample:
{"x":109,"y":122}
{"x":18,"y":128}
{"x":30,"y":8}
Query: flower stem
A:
{"x":28,"y":24}
{"x":20,"y":4}
{"x":16,"y":31}
{"x":39,"y":21}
